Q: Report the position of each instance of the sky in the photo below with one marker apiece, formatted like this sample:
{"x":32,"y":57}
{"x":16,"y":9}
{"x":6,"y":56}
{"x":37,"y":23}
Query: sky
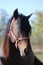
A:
{"x":24,"y":6}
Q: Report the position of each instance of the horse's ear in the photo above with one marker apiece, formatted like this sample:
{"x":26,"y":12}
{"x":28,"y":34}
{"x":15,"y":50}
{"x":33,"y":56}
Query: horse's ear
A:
{"x":29,"y":16}
{"x":15,"y":14}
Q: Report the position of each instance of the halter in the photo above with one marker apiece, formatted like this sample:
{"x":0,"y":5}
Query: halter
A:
{"x":16,"y":39}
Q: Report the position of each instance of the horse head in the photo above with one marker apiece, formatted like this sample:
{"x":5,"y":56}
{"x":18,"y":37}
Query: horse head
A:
{"x":20,"y":30}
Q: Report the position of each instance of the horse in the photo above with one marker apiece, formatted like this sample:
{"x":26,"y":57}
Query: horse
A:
{"x":16,"y":48}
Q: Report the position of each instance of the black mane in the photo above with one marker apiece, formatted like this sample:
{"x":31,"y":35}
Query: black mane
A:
{"x":25,"y":25}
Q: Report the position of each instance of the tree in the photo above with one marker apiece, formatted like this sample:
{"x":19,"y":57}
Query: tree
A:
{"x":3,"y":20}
{"x":37,"y":27}
{"x":37,"y":23}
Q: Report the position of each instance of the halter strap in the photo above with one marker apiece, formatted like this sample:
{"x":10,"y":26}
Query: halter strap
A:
{"x":20,"y":39}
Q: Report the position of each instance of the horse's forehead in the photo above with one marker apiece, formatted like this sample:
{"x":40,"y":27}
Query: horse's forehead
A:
{"x":17,"y":21}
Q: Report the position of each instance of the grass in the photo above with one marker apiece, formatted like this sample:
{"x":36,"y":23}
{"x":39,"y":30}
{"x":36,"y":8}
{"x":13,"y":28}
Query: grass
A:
{"x":39,"y":56}
{"x":37,"y":51}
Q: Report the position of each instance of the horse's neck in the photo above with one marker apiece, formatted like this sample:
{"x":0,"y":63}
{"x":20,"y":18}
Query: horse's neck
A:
{"x":29,"y":59}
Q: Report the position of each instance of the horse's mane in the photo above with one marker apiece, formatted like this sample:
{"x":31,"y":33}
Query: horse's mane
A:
{"x":6,"y":39}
